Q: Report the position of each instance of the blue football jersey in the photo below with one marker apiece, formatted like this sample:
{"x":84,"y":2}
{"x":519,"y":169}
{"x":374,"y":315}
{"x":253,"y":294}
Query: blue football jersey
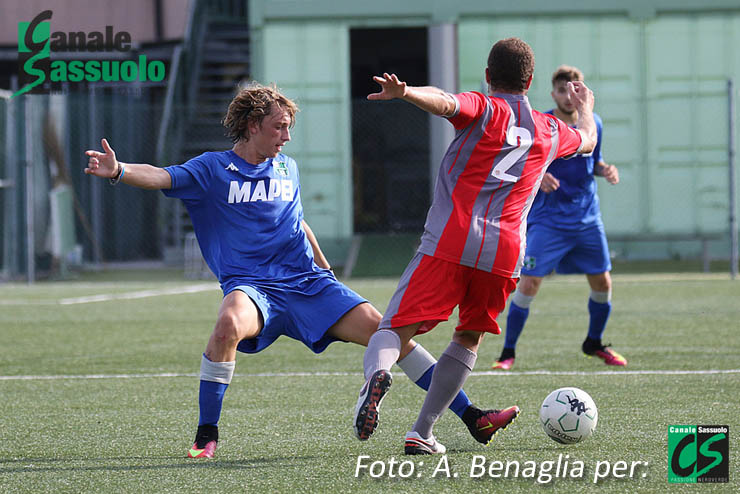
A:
{"x":575,"y":203}
{"x":247,"y":217}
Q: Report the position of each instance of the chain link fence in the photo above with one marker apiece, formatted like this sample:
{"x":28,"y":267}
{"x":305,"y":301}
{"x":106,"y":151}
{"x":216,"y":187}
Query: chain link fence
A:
{"x":390,"y":166}
{"x":74,"y":219}
{"x":55,"y":216}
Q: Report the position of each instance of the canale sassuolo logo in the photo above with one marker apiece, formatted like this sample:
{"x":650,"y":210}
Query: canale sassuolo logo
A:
{"x":36,"y":43}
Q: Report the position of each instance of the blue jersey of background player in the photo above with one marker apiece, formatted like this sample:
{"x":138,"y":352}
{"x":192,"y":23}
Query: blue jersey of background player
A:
{"x":570,"y":201}
{"x":565,"y":234}
{"x":247,"y":215}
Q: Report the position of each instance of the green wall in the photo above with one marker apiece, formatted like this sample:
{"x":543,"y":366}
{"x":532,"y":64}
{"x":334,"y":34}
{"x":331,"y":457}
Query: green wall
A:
{"x":660,"y":87}
{"x":658,"y":69}
{"x":309,"y":62}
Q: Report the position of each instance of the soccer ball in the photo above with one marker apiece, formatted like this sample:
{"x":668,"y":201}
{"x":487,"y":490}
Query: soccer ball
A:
{"x":568,"y":415}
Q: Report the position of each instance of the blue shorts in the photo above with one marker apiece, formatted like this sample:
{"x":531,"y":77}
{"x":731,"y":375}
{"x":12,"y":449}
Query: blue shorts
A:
{"x":303,"y":310}
{"x":568,"y":252}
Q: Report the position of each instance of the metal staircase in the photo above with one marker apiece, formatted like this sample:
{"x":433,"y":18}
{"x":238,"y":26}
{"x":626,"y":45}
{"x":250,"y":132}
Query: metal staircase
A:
{"x":224,"y":64}
{"x":207,"y":69}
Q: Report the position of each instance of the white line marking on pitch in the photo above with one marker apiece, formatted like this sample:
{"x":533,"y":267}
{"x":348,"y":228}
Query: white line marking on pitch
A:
{"x":107,"y":297}
{"x":320,"y":374}
{"x":608,"y":373}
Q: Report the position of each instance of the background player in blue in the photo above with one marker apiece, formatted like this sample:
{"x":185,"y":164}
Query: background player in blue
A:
{"x":565,"y":233}
{"x":247,"y":215}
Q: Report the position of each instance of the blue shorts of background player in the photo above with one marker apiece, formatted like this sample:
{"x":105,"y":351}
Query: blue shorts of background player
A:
{"x":567,"y":252}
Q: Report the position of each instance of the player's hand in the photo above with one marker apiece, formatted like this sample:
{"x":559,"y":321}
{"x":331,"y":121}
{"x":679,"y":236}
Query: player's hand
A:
{"x":391,"y":87}
{"x":581,"y":95}
{"x":610,"y":173}
{"x":103,"y":165}
{"x":549,"y":183}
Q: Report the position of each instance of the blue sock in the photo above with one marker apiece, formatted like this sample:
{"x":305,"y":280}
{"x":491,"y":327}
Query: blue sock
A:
{"x":458,"y":405}
{"x":599,"y":314}
{"x":514,"y":324}
{"x":210,"y":399}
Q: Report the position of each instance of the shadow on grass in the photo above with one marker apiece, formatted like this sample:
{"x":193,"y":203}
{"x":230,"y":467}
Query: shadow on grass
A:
{"x":181,"y":462}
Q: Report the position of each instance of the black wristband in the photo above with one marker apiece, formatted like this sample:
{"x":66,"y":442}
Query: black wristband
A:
{"x":117,"y":178}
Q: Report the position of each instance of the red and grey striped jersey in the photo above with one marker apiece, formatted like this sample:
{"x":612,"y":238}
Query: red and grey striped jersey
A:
{"x":488,"y":179}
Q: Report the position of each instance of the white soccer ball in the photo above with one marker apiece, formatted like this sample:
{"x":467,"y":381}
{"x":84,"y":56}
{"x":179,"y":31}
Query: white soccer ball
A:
{"x":568,"y":415}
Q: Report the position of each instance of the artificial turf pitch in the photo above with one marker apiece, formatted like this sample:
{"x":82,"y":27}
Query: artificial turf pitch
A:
{"x":101,"y":396}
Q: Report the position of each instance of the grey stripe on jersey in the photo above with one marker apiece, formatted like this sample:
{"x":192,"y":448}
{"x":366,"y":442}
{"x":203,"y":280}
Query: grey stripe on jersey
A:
{"x":461,"y":147}
{"x":403,"y":284}
{"x":495,"y":191}
{"x":554,"y":141}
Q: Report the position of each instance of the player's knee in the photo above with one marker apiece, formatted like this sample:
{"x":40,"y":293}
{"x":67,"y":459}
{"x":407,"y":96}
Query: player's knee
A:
{"x":529,"y":285}
{"x":358,"y":325}
{"x":607,"y":283}
{"x":227,"y":331}
{"x":370,"y":314}
{"x":370,"y":319}
{"x":468,"y":339}
{"x":367,"y":316}
{"x":602,"y":283}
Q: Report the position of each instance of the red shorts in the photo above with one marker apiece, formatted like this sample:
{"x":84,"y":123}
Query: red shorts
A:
{"x":431,"y":288}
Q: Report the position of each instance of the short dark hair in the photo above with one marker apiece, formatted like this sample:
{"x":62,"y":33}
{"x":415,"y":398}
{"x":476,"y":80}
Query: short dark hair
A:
{"x":566,"y":73}
{"x":252,"y":104}
{"x":510,"y":65}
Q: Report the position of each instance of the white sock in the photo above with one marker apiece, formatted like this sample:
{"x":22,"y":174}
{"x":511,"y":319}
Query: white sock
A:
{"x":601,"y":297}
{"x":417,"y":362}
{"x":382,"y":351}
{"x":523,"y":301}
{"x":218,"y":372}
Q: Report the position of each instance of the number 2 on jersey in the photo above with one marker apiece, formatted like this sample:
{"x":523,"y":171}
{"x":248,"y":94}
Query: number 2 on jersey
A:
{"x":522,"y":139}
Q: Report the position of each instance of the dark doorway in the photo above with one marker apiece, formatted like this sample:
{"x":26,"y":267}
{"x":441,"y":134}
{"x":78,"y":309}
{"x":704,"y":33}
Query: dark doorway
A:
{"x":390,"y":140}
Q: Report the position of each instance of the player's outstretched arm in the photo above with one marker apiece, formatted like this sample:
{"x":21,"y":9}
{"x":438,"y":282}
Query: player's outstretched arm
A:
{"x":318,"y":256}
{"x":105,"y":165}
{"x":429,"y":98}
{"x":584,"y":103}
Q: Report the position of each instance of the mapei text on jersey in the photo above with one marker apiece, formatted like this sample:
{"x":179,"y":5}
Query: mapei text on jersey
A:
{"x":264,"y":190}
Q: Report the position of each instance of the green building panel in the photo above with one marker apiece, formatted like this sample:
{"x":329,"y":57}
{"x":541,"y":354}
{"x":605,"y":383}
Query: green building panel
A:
{"x":610,"y":64}
{"x":659,"y":70}
{"x":688,"y":59}
{"x":309,"y":61}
